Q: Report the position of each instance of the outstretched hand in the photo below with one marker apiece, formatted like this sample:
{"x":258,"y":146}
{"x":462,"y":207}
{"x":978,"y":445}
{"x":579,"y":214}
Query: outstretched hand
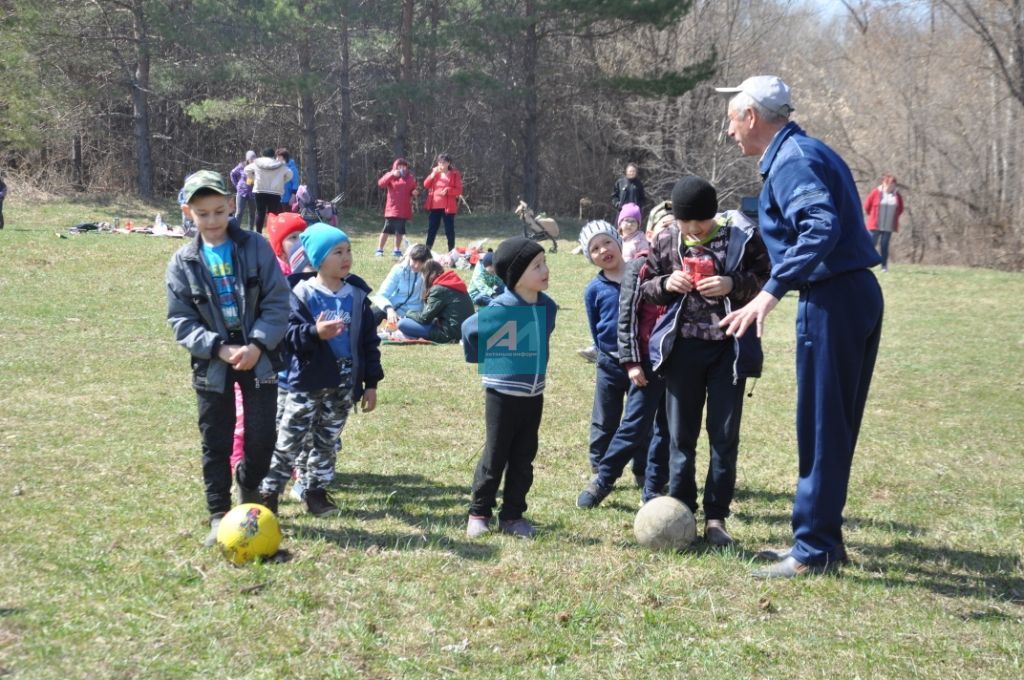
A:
{"x":753,"y":313}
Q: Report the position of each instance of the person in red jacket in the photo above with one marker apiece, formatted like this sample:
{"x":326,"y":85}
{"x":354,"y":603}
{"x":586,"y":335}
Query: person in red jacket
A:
{"x":400,"y":184}
{"x":444,"y":186}
{"x":883,"y":208}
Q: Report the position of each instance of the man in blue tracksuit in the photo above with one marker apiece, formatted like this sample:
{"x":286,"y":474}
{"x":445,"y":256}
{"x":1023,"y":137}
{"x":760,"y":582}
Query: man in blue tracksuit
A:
{"x":811,"y":223}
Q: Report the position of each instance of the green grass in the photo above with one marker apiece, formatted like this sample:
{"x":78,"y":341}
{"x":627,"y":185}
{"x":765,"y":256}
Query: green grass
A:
{"x":102,"y":575}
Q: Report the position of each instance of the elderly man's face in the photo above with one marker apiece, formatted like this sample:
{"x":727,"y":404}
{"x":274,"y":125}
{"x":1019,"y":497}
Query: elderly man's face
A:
{"x":740,"y":126}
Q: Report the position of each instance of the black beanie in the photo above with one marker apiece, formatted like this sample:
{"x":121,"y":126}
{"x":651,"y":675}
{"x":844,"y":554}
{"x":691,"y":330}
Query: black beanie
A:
{"x":512,"y":258}
{"x":694,"y":198}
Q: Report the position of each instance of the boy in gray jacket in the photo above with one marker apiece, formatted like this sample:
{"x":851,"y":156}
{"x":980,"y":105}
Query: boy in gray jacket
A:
{"x":227,"y":303}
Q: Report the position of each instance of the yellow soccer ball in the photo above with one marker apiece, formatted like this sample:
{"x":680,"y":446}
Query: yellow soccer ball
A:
{"x":247,"y":532}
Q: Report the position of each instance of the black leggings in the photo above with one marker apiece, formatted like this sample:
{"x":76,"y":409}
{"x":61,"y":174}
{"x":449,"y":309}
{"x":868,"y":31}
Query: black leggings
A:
{"x":265,"y":203}
{"x":1,"y":213}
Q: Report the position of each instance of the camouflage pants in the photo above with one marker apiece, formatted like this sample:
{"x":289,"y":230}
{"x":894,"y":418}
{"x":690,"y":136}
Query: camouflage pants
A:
{"x":302,"y":459}
{"x":317,"y":417}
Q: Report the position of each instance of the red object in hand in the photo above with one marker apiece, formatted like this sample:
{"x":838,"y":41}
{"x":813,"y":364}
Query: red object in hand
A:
{"x":698,"y":268}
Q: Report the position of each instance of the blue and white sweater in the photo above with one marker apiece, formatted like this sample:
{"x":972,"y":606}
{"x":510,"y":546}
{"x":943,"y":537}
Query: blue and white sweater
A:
{"x":522,"y":384}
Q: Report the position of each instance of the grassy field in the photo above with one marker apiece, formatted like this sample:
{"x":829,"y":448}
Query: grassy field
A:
{"x":102,"y":574}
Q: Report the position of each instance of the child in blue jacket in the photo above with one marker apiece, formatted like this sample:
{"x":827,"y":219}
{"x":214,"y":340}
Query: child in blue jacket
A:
{"x":335,"y":361}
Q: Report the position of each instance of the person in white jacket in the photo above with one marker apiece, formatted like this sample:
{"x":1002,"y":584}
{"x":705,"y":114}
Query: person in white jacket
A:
{"x":267,"y":175}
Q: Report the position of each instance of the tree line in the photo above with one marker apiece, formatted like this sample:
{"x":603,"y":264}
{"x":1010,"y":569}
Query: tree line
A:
{"x":543,"y":100}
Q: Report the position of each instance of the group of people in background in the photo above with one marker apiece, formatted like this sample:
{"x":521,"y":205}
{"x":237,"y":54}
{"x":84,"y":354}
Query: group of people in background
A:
{"x":676,"y":313}
{"x":264,"y":184}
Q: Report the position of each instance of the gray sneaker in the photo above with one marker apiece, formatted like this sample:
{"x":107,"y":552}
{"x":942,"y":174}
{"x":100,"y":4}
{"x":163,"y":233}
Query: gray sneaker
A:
{"x":517,"y":527}
{"x":588,"y":353}
{"x":477,"y":526}
{"x":211,"y":538}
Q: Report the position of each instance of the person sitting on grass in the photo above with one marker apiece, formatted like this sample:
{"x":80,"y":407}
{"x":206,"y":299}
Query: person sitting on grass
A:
{"x":401,"y":291}
{"x":446,"y":304}
{"x":227,"y":302}
{"x":335,"y":360}
{"x":485,"y":284}
{"x":513,"y":402}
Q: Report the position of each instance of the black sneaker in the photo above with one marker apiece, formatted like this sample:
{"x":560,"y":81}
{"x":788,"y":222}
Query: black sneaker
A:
{"x":592,"y":496}
{"x":268,"y":499}
{"x":319,"y":503}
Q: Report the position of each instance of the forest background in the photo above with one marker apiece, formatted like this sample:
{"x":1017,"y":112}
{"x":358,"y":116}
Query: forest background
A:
{"x":543,"y":100}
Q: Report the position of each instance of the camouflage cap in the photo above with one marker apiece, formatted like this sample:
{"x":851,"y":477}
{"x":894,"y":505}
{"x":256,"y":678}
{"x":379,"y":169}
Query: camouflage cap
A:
{"x":204,"y":179}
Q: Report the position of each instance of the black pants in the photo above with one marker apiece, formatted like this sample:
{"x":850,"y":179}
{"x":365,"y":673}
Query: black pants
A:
{"x":699,"y":371}
{"x":434,"y":221}
{"x":217,"y":429}
{"x":265,"y":203}
{"x":1,"y":213}
{"x":511,"y":445}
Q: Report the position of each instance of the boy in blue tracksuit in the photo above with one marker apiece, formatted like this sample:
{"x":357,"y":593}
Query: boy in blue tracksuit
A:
{"x":335,"y":361}
{"x":701,"y":269}
{"x":227,"y":303}
{"x":513,"y":403}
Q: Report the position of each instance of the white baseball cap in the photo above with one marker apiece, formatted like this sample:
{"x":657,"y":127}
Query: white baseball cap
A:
{"x":768,"y":91}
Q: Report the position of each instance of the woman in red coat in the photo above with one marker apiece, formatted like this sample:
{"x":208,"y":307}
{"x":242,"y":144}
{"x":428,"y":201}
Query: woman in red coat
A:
{"x":444,"y":186}
{"x":883,"y":206}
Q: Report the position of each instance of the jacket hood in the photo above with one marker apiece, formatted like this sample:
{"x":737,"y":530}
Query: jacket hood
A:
{"x":451,"y":280}
{"x":268,"y":163}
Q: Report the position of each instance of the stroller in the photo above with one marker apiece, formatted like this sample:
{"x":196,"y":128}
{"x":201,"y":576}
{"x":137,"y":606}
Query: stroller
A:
{"x":313,"y":210}
{"x":538,"y":228}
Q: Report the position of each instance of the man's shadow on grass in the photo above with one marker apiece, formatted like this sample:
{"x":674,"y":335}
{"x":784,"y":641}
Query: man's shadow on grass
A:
{"x":944,"y":570}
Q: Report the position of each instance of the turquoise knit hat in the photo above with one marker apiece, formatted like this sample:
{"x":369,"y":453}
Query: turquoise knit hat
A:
{"x":318,"y":239}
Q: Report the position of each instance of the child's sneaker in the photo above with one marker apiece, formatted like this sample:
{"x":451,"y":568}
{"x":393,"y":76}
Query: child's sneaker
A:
{"x":477,"y":526}
{"x":319,"y":503}
{"x":588,"y":353}
{"x":592,"y":496}
{"x":211,"y":538}
{"x":269,"y":499}
{"x":298,"y":488}
{"x":379,"y":252}
{"x":396,"y":252}
{"x":517,"y":527}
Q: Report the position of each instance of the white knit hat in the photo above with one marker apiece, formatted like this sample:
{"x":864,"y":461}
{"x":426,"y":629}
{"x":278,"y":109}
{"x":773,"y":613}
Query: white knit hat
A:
{"x":592,"y":230}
